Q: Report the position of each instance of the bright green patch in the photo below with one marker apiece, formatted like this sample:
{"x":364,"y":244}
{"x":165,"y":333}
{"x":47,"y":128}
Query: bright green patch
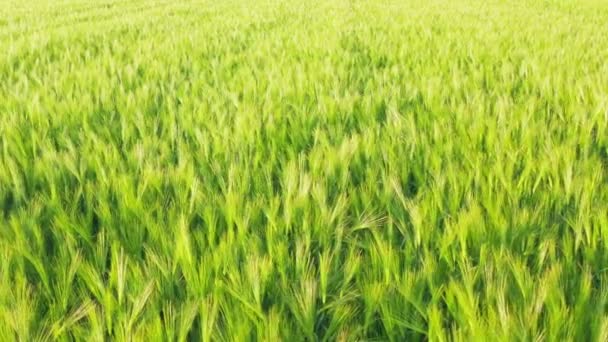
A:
{"x":296,"y":170}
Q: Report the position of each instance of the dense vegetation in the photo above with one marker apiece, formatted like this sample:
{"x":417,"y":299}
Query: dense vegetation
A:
{"x":304,"y":170}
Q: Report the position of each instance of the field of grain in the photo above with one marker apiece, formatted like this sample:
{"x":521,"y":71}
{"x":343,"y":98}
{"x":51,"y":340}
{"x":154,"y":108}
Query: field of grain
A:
{"x":303,"y":170}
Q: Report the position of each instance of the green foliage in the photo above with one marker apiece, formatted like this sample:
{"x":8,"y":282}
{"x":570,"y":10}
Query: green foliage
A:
{"x":288,"y":170}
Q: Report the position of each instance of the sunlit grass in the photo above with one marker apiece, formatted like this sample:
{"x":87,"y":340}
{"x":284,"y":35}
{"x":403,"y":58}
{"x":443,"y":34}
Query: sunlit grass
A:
{"x":325,"y":170}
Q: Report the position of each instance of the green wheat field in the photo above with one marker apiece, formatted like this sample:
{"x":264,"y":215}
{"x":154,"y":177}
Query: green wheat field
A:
{"x":339,"y":170}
